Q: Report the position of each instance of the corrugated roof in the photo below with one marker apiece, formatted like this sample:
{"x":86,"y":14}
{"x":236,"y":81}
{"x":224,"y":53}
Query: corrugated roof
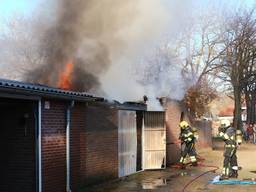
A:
{"x":43,"y":90}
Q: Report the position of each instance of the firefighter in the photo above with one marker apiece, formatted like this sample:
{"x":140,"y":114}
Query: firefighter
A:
{"x":232,"y":138}
{"x":188,"y":136}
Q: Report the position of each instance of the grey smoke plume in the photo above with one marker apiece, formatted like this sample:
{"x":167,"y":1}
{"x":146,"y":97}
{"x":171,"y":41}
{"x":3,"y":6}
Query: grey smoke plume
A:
{"x":62,"y":42}
{"x":105,"y":40}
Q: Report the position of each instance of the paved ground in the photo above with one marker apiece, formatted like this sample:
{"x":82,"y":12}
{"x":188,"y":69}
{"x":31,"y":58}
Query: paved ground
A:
{"x":175,"y":180}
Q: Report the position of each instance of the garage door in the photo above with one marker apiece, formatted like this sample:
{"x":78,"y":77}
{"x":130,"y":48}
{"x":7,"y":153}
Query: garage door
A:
{"x":154,"y":140}
{"x":127,"y":142}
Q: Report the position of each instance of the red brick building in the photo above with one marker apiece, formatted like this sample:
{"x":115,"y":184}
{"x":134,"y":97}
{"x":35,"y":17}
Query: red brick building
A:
{"x":55,"y":140}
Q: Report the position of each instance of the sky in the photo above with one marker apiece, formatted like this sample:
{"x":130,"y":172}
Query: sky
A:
{"x":228,"y":3}
{"x":9,"y":8}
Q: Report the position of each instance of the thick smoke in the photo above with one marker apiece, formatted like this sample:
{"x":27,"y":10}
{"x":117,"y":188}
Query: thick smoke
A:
{"x":105,"y":40}
{"x":63,"y":42}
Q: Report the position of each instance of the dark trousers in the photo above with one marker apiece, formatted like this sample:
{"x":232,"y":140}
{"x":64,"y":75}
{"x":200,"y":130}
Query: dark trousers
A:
{"x":188,"y":149}
{"x":230,"y":160}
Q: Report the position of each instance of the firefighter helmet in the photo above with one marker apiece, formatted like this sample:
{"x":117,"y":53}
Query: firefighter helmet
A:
{"x":184,"y":124}
{"x":225,"y":123}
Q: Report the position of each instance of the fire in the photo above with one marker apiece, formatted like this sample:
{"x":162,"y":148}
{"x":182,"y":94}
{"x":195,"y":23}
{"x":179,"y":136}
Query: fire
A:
{"x":64,"y":81}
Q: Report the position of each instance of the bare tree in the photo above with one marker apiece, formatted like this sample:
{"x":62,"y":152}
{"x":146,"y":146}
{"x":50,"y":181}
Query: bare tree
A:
{"x":193,"y":55}
{"x":201,"y":44}
{"x":24,"y":49}
{"x":239,"y":42}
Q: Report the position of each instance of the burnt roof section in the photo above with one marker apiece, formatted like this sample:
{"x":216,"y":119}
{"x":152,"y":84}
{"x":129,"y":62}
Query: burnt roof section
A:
{"x":139,"y":106}
{"x":16,"y":87}
{"x":130,"y":105}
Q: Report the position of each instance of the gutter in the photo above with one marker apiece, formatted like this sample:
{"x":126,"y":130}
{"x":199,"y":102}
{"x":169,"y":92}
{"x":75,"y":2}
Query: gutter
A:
{"x":47,"y":94}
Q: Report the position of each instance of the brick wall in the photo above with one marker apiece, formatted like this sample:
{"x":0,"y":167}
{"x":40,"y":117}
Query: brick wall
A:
{"x":99,"y":145}
{"x":54,"y":147}
{"x":173,"y":114}
{"x":77,"y":129}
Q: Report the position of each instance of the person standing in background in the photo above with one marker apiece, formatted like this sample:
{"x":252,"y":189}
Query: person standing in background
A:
{"x":245,"y":134}
{"x":250,"y":132}
{"x":232,"y":138}
{"x":254,"y":133}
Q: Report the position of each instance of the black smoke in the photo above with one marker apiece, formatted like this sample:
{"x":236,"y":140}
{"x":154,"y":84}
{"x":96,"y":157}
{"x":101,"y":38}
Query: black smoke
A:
{"x":62,"y":42}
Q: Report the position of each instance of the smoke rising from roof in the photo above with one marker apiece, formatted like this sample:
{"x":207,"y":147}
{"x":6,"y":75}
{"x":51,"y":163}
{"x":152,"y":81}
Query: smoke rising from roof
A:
{"x":106,"y":41}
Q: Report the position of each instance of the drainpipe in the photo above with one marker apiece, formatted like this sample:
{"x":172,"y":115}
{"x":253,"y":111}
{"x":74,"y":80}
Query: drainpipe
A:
{"x":39,"y":141}
{"x":68,"y":119}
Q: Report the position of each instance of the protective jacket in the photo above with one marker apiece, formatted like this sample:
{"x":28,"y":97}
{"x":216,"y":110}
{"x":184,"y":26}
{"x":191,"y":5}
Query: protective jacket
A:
{"x":231,"y":139}
{"x":188,"y":138}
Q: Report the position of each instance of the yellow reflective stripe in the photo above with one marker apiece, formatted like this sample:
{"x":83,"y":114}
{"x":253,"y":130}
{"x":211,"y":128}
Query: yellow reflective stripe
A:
{"x":221,"y":134}
{"x":232,"y":137}
{"x":225,"y":171}
{"x":188,"y":134}
{"x":193,"y":158}
{"x":230,"y":145}
{"x":181,"y":159}
{"x":226,"y":136}
{"x":189,"y":139}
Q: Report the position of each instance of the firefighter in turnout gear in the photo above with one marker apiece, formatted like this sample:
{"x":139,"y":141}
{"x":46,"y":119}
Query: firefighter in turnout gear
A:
{"x":232,"y":138}
{"x":188,"y":137}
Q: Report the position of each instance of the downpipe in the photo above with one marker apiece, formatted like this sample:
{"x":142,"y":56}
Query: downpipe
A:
{"x":68,"y":122}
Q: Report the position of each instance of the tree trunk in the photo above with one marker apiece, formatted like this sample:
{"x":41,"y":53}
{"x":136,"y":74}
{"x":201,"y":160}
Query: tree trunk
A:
{"x":237,"y":122}
{"x":248,"y":107}
{"x":253,"y":108}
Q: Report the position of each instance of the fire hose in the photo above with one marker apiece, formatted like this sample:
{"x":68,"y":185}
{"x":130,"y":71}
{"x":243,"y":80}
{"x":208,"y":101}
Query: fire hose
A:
{"x":214,"y":169}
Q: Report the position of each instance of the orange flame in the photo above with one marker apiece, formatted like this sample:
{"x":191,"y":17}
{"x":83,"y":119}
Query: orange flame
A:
{"x":64,"y":81}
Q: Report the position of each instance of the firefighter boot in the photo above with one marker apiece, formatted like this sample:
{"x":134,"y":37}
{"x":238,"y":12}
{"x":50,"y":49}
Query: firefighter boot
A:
{"x":182,"y":163}
{"x":233,"y":174}
{"x":193,"y":160}
{"x":182,"y":166}
{"x":225,"y":174}
{"x":224,"y":177}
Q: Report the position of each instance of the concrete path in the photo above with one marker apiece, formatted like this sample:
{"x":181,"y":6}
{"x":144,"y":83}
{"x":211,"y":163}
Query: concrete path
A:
{"x":174,"y":180}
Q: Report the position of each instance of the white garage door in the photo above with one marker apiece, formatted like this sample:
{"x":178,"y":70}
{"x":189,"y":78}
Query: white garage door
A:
{"x":127,"y":142}
{"x":154,"y":140}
